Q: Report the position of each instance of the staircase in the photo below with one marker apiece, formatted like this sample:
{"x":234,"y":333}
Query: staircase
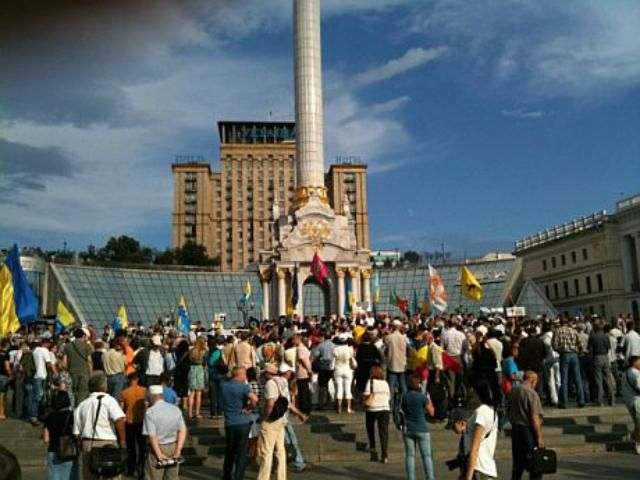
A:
{"x":331,"y":438}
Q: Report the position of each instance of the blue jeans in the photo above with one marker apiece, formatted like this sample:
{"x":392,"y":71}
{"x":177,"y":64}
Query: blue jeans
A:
{"x":395,"y":378}
{"x":33,"y":393}
{"x":61,"y":470}
{"x":215,"y":393}
{"x":115,"y":385}
{"x":291,"y":439}
{"x":570,"y":362}
{"x":421,"y":440}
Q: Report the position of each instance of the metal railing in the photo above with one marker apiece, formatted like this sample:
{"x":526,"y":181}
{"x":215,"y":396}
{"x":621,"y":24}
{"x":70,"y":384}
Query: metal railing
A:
{"x":560,"y":231}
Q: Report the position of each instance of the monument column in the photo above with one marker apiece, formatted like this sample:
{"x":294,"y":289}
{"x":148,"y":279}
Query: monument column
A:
{"x":366,"y":289}
{"x":354,"y":273}
{"x":282,"y":291}
{"x":340,"y":274}
{"x":308,"y":101}
{"x":265,"y":276}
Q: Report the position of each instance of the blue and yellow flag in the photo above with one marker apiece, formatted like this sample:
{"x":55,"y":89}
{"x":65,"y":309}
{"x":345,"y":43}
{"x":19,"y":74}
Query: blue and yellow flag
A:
{"x":414,"y":303}
{"x":184,"y":324}
{"x":425,"y":303}
{"x":18,"y":304}
{"x":348,"y":297}
{"x":376,"y":287}
{"x":294,"y":295}
{"x":121,"y":322}
{"x":64,"y":318}
{"x":247,"y":293}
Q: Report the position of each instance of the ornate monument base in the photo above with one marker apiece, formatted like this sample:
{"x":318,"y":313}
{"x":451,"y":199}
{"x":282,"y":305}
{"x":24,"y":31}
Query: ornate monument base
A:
{"x":315,"y":228}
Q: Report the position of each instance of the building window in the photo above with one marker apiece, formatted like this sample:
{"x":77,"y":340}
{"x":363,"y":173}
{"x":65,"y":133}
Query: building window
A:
{"x":544,"y":265}
{"x":546,"y":291}
{"x":563,"y":260}
{"x":599,"y":281}
{"x":555,"y":291}
{"x":574,"y":257}
{"x":588,"y":280}
{"x":585,"y":256}
{"x":603,"y":311}
{"x":576,"y":286}
{"x":553,"y":262}
{"x":565,"y":288}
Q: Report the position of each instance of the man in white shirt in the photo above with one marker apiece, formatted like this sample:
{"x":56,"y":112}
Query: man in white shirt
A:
{"x":102,"y":410}
{"x":452,"y":342}
{"x":42,"y":358}
{"x":631,"y":342}
{"x":154,"y":362}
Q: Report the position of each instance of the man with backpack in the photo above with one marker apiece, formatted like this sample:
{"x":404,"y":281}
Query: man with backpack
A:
{"x":28,"y":372}
{"x":77,"y":357}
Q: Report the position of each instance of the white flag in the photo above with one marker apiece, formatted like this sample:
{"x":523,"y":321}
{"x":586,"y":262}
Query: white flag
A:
{"x":437,"y":293}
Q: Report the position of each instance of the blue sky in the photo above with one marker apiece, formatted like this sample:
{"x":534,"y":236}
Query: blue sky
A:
{"x":481,"y":122}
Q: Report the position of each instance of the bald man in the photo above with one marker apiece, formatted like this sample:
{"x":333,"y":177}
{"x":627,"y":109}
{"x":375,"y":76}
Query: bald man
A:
{"x":525,"y":415}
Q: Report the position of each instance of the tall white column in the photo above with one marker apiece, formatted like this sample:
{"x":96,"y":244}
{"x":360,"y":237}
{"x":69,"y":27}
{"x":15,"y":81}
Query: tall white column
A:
{"x":308,"y":93}
{"x":282,"y":291}
{"x":340,"y":274}
{"x":354,"y":273}
{"x":265,"y":277}
{"x":366,"y":290}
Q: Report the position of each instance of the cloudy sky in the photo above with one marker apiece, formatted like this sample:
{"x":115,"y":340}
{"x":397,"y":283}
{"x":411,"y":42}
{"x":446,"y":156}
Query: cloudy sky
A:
{"x":481,"y":121}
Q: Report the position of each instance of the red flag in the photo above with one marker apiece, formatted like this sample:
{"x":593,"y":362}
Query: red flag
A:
{"x":319,"y":269}
{"x":403,"y":305}
{"x":450,"y":363}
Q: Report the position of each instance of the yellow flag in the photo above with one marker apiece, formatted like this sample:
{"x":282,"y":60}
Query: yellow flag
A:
{"x":65,"y":317}
{"x":9,"y":322}
{"x":247,"y":291}
{"x":469,"y":286}
{"x":122,"y":315}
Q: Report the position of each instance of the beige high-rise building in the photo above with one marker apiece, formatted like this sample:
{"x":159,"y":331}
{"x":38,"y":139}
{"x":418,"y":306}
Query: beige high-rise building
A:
{"x":347,"y":184}
{"x":231,"y":212}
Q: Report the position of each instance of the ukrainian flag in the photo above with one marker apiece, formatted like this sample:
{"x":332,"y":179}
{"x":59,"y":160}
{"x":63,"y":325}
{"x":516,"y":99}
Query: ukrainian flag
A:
{"x":247,"y":293}
{"x":18,"y":304}
{"x":185,"y":323}
{"x":121,"y":321}
{"x":294,"y":294}
{"x":65,"y":318}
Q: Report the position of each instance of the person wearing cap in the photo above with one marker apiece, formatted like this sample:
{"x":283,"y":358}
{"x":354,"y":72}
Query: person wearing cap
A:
{"x":150,"y":362}
{"x":343,"y":366}
{"x":77,"y":358}
{"x":166,"y":431}
{"x":290,"y":437}
{"x":236,"y":396}
{"x":272,"y":433}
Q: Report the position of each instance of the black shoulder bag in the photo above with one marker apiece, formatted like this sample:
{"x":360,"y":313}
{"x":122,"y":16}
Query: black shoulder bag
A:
{"x":280,"y":406}
{"x":67,"y":444}
{"x":104,"y":461}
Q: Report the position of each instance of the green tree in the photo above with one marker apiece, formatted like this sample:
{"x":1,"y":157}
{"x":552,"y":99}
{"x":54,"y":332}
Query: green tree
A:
{"x":411,"y":257}
{"x":193,"y":253}
{"x":125,"y":249}
{"x":168,"y":257}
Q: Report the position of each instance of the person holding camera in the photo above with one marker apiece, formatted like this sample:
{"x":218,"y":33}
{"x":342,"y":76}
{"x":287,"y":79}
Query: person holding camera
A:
{"x":165,"y":428}
{"x":481,"y":436}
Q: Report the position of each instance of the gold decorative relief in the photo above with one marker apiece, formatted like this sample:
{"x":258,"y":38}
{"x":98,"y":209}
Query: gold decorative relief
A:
{"x":316,"y":231}
{"x":303,"y":194}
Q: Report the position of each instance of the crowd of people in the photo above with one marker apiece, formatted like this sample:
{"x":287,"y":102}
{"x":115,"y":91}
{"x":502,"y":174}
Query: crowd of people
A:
{"x":133,"y":393}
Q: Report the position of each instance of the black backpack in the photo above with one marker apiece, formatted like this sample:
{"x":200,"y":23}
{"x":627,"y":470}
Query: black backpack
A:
{"x":28,"y":365}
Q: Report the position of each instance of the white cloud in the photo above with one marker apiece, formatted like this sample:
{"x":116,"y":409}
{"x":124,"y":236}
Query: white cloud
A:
{"x":541,"y":48}
{"x":412,"y":58}
{"x":522,"y":113}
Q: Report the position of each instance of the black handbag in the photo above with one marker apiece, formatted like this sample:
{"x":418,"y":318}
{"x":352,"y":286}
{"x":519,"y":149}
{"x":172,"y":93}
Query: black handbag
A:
{"x":543,"y":462}
{"x":104,"y":461}
{"x":67,"y":444}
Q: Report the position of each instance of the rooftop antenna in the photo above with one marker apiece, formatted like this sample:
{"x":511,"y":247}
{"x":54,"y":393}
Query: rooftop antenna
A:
{"x":270,"y":115}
